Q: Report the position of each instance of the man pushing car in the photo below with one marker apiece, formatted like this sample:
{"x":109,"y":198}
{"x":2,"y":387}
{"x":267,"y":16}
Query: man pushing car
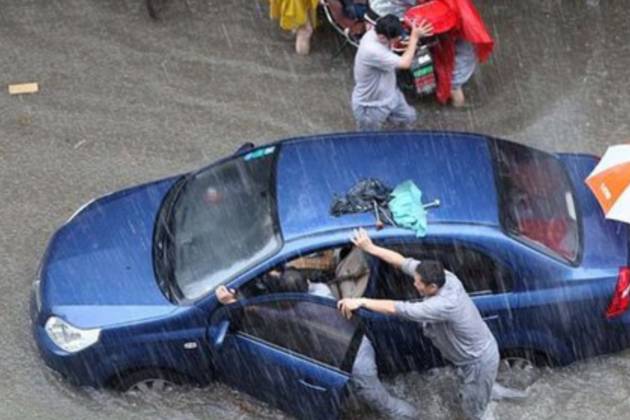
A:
{"x":449,"y":317}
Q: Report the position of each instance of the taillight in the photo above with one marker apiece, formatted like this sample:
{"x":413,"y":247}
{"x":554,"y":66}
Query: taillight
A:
{"x":621,"y":299}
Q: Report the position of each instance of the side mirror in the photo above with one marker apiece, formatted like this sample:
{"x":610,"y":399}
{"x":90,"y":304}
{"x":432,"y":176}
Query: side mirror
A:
{"x":217,"y":333}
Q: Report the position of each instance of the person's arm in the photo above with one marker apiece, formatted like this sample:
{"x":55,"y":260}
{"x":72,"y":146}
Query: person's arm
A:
{"x":362,"y":240}
{"x":431,"y":310}
{"x":349,"y":305}
{"x":417,"y":31}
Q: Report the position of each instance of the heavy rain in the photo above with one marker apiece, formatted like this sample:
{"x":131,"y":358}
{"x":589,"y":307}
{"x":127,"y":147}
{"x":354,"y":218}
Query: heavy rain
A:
{"x":124,"y":99}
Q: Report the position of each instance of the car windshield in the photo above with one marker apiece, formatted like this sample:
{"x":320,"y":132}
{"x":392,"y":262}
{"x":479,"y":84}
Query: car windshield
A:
{"x":536,"y":200}
{"x":222,"y":222}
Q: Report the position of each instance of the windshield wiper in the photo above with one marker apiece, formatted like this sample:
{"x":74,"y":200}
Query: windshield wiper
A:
{"x":163,"y":263}
{"x":164,"y":240}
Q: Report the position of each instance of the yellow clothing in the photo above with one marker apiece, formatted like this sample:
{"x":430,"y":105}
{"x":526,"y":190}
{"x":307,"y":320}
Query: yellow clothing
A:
{"x":291,"y":14}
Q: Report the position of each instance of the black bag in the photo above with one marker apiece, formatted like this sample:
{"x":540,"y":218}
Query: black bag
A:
{"x":363,"y":197}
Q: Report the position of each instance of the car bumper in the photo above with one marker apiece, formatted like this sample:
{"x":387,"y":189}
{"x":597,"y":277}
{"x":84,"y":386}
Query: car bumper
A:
{"x":622,"y":321}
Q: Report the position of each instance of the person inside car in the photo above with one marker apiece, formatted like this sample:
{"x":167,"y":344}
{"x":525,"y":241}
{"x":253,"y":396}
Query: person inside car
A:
{"x":364,"y":380}
{"x":450,"y":320}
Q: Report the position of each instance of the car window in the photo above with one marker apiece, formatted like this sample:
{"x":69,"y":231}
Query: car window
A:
{"x":224,"y":221}
{"x":336,"y":273}
{"x":478,"y":272}
{"x":388,"y":282}
{"x":536,"y":200}
{"x":310,"y":329}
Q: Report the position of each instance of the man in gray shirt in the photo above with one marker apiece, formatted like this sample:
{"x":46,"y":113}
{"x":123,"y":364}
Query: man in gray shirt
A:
{"x":449,"y":317}
{"x":376,"y":97}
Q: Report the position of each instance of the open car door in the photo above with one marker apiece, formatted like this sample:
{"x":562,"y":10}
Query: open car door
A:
{"x":294,"y":351}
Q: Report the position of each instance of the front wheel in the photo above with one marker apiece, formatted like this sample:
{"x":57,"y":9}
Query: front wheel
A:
{"x":149,"y":381}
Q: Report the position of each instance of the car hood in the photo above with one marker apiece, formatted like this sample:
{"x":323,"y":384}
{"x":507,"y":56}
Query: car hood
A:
{"x":100,"y":261}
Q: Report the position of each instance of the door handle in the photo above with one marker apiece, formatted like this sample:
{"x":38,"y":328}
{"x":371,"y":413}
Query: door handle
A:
{"x":491,"y":318}
{"x":312,"y":386}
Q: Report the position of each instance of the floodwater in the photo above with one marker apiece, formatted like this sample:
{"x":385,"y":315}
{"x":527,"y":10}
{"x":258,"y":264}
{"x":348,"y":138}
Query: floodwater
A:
{"x":124,"y":100}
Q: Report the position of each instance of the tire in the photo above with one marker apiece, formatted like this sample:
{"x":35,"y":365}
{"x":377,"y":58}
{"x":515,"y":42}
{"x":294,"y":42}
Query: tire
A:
{"x":520,"y":368}
{"x":539,"y":359}
{"x":149,"y":381}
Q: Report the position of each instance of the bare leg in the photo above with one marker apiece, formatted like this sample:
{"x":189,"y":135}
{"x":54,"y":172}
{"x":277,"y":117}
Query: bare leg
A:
{"x":303,"y":38}
{"x":457,"y":97}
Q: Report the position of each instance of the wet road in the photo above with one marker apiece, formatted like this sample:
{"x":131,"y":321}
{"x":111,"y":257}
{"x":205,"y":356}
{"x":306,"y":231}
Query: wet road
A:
{"x":125,"y":100}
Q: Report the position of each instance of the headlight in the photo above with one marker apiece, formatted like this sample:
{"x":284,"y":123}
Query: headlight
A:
{"x":69,"y":338}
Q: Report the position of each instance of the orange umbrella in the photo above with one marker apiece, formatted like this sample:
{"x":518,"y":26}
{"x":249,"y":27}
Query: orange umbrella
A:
{"x":610,"y":182}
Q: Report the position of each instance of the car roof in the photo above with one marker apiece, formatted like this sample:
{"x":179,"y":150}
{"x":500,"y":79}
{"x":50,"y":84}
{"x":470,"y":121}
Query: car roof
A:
{"x":455,"y":168}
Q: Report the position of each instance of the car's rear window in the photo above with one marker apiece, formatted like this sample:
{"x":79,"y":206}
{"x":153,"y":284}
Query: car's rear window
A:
{"x":536,"y":199}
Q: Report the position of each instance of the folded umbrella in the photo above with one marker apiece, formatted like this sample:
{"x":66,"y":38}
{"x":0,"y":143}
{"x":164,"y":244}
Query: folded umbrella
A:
{"x":407,"y":209}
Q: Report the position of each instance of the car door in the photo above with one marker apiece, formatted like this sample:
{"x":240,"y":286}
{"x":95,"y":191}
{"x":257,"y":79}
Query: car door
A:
{"x":488,"y":282}
{"x":293,"y":351}
{"x":400,"y":344}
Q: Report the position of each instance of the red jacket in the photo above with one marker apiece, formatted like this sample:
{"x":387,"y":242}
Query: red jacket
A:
{"x":470,"y":28}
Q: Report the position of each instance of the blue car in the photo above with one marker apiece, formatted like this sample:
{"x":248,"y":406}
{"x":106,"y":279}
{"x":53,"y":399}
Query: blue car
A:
{"x":124,"y":296}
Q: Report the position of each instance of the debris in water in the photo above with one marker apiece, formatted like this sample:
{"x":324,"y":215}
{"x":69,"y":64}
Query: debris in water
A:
{"x":21,"y":88}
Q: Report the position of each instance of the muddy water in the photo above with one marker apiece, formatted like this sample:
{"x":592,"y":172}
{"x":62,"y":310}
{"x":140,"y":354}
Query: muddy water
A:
{"x":124,"y":100}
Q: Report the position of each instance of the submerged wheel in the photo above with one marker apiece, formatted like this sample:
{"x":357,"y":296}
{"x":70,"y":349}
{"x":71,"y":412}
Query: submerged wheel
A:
{"x":521,"y":368}
{"x":525,"y":356}
{"x":149,"y":381}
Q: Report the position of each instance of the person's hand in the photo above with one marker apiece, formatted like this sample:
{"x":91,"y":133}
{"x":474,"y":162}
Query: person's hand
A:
{"x":225,"y":295}
{"x":348,"y":305}
{"x":421,"y":29}
{"x":361,"y":239}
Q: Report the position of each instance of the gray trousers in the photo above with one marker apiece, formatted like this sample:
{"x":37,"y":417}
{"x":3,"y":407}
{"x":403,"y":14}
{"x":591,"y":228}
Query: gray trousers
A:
{"x":477,"y":380}
{"x":369,"y":388}
{"x":372,"y":118}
